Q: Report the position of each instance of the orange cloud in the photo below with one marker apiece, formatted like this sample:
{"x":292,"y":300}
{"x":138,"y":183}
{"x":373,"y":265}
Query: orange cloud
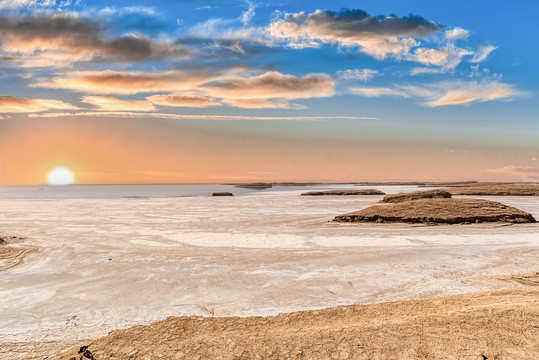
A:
{"x":446,"y":93}
{"x":106,"y":103}
{"x":467,"y":92}
{"x":273,"y":84}
{"x":67,"y":37}
{"x":10,"y":104}
{"x":269,"y":90}
{"x":180,"y":100}
{"x":126,"y":83}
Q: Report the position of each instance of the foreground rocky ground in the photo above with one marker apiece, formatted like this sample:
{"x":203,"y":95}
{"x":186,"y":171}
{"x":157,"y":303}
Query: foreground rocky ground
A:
{"x":489,"y":325}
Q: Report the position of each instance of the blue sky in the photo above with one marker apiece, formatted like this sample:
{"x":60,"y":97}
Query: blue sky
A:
{"x":436,"y":77}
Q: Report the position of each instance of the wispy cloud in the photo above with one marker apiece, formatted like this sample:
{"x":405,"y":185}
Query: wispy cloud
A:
{"x":273,"y":84}
{"x":456,"y":33}
{"x":196,"y":117}
{"x":105,"y":103}
{"x":183,"y":100}
{"x":465,"y":92}
{"x":234,"y":88}
{"x":18,"y":4}
{"x":447,"y":92}
{"x":262,"y":104}
{"x":378,"y":91}
{"x":11,"y":104}
{"x":357,"y":74}
{"x":482,"y":53}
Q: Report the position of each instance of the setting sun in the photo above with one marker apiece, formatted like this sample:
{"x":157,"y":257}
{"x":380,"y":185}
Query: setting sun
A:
{"x":60,"y":176}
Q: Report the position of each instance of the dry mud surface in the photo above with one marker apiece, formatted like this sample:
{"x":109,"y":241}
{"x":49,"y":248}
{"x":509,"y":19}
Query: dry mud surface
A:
{"x":489,"y":325}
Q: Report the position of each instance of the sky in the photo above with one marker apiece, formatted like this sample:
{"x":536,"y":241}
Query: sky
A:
{"x":243,"y":91}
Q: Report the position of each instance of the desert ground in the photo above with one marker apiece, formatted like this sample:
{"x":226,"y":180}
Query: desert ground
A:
{"x":75,"y":269}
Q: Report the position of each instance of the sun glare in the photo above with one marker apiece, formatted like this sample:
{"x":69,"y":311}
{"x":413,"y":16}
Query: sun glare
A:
{"x":60,"y":176}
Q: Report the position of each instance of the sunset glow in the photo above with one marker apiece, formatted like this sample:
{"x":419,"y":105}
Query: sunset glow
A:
{"x":60,"y":176}
{"x":175,"y":91}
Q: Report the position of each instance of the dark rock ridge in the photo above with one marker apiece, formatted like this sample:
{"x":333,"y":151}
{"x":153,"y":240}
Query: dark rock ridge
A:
{"x":416,"y":195}
{"x":255,"y":186}
{"x":440,"y":210}
{"x":224,"y":193}
{"x":345,"y":192}
{"x":496,"y":190}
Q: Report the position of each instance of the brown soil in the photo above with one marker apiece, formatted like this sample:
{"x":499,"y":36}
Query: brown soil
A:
{"x":416,"y":195}
{"x":489,"y":325}
{"x":345,"y":192}
{"x":448,"y":211}
{"x":496,"y":189}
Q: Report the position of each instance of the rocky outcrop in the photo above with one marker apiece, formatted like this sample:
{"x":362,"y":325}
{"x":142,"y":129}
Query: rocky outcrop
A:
{"x":344,"y":192}
{"x":224,"y":193}
{"x":440,"y":211}
{"x":496,"y":190}
{"x":416,"y":195}
{"x":255,"y":186}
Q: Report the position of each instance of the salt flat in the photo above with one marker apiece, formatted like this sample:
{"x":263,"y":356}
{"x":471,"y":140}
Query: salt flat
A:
{"x":102,"y":263}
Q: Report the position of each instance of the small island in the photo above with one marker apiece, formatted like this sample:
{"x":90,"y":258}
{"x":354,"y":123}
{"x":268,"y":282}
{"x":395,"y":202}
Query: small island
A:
{"x":224,"y":193}
{"x":496,"y":190}
{"x":439,"y":211}
{"x":255,"y":186}
{"x":416,"y":195}
{"x":344,"y":192}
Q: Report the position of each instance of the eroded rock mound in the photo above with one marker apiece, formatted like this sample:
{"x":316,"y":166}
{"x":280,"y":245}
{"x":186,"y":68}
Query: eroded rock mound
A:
{"x":255,"y":186}
{"x":442,"y":211}
{"x":416,"y":195}
{"x":496,"y":190}
{"x":345,"y":192}
{"x":224,"y":193}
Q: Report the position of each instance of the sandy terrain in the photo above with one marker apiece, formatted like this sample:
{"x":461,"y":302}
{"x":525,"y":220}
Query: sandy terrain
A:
{"x":489,"y":325}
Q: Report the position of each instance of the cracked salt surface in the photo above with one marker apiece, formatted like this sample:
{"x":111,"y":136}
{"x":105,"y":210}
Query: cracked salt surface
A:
{"x":107,"y":261}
